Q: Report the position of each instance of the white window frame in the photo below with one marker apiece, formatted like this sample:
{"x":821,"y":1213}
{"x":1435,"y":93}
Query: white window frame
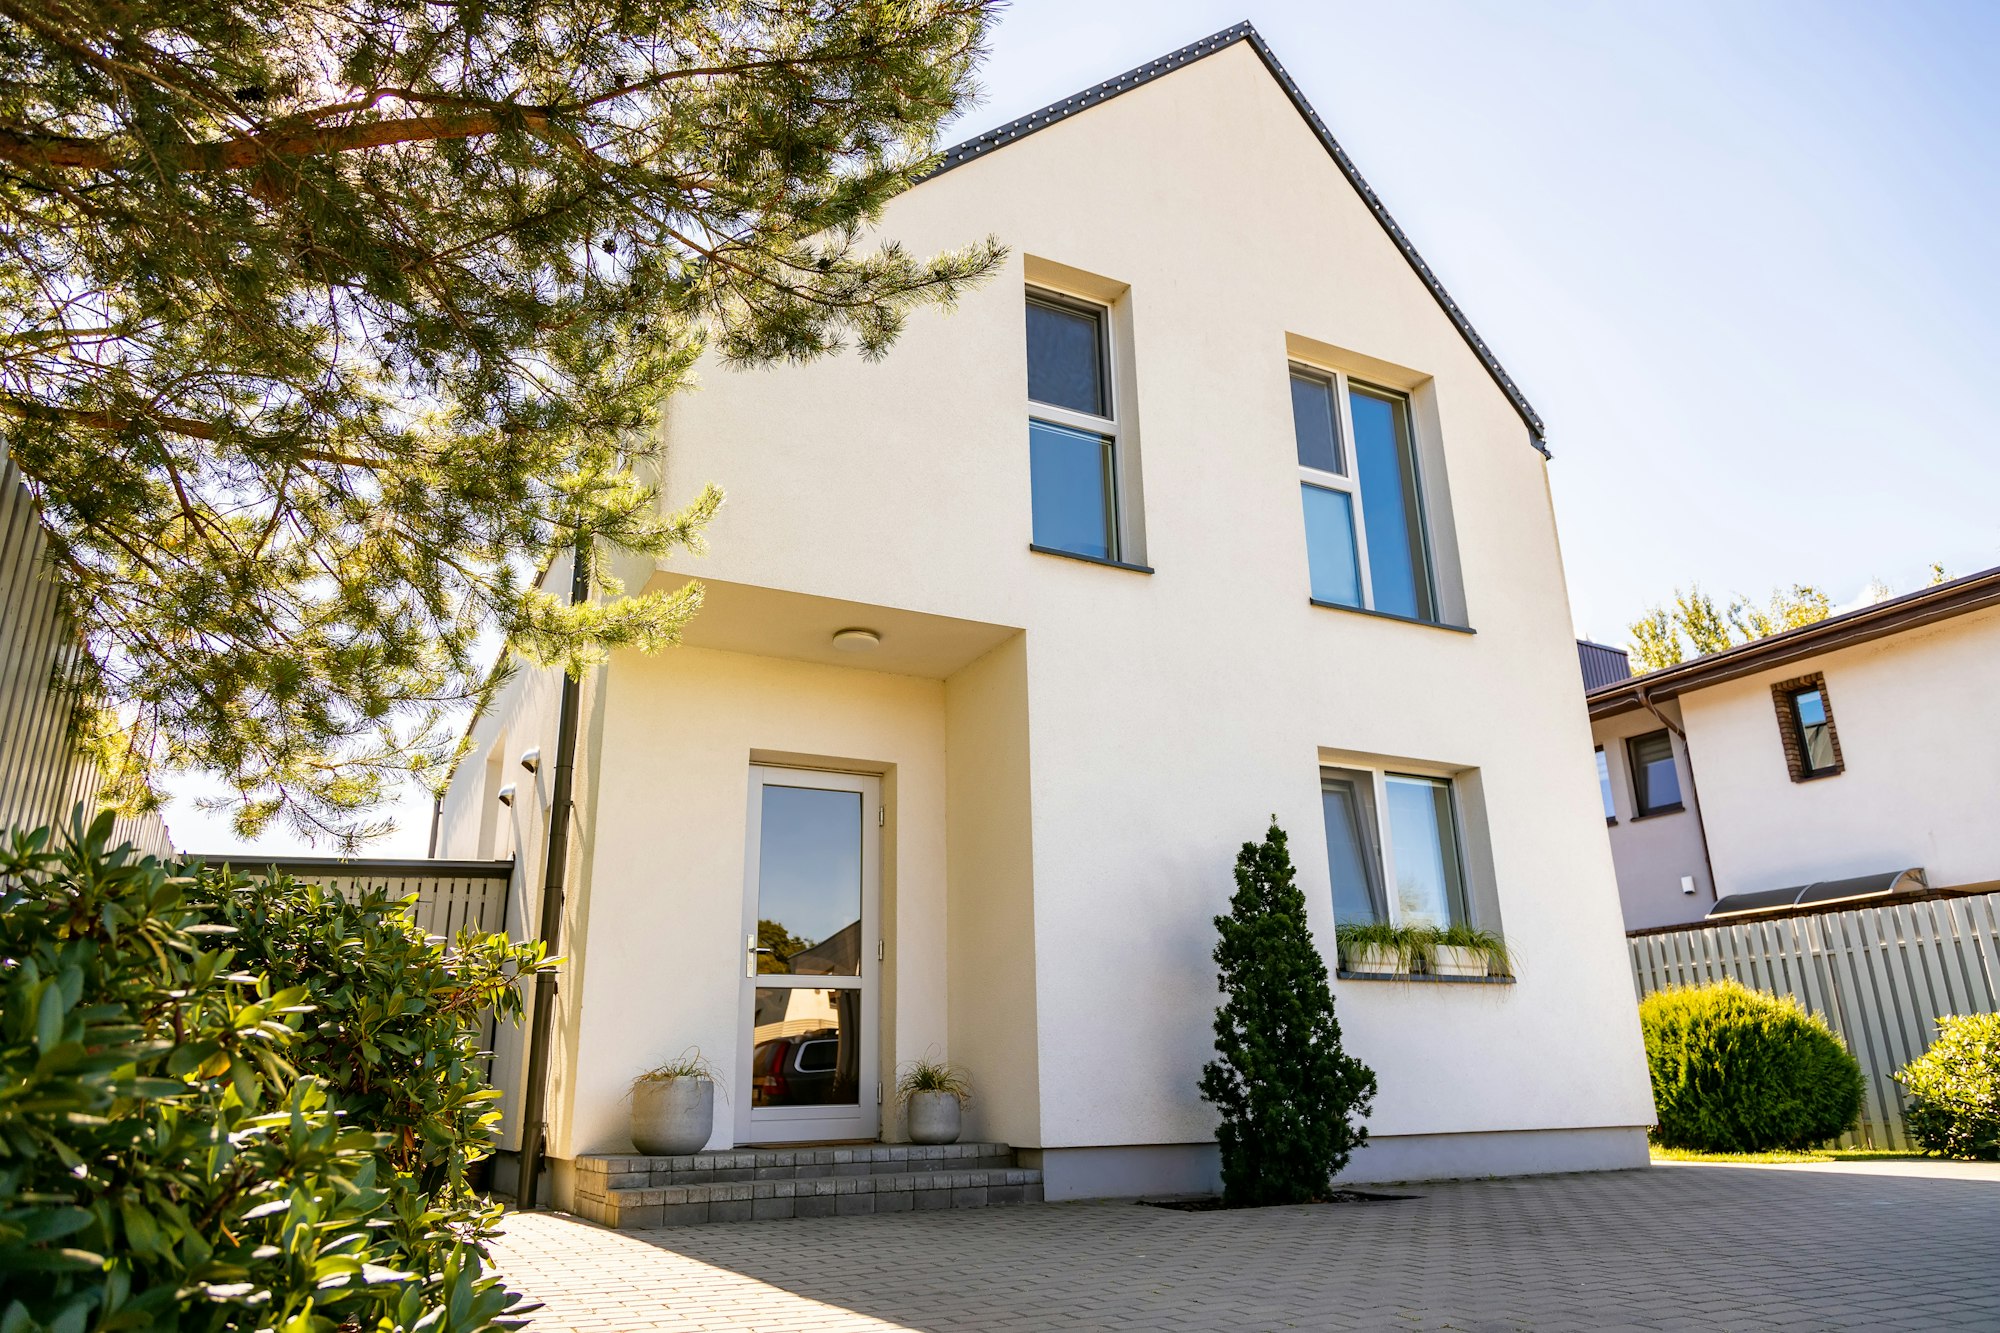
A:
{"x":1116,"y":535}
{"x":1385,"y":837}
{"x":1346,"y":481}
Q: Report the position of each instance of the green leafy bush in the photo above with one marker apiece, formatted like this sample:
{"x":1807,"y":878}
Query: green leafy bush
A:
{"x":1288,"y":1094}
{"x":232,"y":1105}
{"x":1953,"y":1089}
{"x":1737,"y":1070}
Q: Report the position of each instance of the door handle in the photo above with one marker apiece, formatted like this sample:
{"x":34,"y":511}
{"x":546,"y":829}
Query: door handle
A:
{"x":750,"y":951}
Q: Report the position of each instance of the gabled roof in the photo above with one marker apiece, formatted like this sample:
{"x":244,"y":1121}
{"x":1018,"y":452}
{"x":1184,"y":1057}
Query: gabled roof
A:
{"x":973,"y":149}
{"x":1926,"y":606}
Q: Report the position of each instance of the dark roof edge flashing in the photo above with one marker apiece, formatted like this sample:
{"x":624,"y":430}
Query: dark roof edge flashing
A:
{"x":980,"y":145}
{"x":1913,"y":610}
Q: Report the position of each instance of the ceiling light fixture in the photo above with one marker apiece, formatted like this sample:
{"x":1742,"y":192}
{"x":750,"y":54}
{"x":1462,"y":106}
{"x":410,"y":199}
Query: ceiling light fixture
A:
{"x":856,"y":640}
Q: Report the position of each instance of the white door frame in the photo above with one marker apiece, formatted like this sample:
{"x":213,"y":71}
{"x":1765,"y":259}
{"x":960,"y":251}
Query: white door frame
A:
{"x":793,"y":1124}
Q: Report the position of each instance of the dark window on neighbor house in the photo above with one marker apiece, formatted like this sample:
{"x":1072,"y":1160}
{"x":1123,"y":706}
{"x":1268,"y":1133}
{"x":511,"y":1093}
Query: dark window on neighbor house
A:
{"x":1805,"y":724}
{"x":1072,"y":429}
{"x":1604,"y":786}
{"x":1656,"y":785}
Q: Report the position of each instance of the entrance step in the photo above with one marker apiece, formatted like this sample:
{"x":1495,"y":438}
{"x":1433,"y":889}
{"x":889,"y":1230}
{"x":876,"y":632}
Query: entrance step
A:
{"x":764,"y":1183}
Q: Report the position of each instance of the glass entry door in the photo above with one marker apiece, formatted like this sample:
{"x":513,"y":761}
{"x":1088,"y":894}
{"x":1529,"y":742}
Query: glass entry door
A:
{"x":811,"y":958}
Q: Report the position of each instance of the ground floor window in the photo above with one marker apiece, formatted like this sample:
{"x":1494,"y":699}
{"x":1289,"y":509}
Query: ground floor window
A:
{"x":1394,"y":848}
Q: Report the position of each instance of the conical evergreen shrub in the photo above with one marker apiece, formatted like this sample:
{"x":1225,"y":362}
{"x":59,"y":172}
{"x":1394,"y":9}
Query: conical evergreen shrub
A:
{"x":1290,"y":1097}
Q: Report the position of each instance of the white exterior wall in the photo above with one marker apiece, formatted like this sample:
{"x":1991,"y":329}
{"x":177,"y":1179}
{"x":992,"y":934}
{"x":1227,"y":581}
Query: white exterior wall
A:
{"x":1919,"y":731}
{"x":1100,"y":768}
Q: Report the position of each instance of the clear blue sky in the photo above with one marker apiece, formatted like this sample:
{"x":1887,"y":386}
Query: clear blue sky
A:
{"x":1741,"y":257}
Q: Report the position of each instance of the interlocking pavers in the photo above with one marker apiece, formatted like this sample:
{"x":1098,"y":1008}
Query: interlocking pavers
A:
{"x":1671,"y":1248}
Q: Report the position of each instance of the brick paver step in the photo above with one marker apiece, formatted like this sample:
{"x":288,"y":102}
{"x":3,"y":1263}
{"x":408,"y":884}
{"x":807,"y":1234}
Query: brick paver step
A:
{"x":607,"y":1172}
{"x":748,"y":1184}
{"x":636,"y":1206}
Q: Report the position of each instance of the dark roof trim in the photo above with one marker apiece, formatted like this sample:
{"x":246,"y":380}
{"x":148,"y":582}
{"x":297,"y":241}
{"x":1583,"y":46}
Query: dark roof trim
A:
{"x":1974,"y":592}
{"x":972,"y":149}
{"x":305,"y":867}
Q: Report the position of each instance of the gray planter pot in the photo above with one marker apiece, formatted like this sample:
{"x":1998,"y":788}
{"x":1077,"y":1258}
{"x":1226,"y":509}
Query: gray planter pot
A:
{"x":672,"y":1117}
{"x":934,"y":1117}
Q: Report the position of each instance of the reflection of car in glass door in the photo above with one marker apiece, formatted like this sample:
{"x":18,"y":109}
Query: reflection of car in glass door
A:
{"x":799,"y":1070}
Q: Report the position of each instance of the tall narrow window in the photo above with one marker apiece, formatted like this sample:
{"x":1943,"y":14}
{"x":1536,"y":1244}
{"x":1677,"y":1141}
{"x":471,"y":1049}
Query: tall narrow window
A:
{"x":1072,"y":429}
{"x":1428,"y":868}
{"x":1413,"y":876}
{"x":1366,"y":543}
{"x":1656,"y":785}
{"x":1347,"y":800}
{"x":1604,"y":786}
{"x":1805,"y":723}
{"x":1398,"y":562}
{"x":1815,"y":738}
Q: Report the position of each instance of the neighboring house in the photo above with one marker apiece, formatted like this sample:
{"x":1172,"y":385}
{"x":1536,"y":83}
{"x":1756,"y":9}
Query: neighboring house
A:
{"x":1852,"y":760}
{"x":1210,"y":507}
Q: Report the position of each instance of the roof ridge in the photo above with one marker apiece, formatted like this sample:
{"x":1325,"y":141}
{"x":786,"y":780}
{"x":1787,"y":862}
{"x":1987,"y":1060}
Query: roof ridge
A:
{"x":1020,"y":127}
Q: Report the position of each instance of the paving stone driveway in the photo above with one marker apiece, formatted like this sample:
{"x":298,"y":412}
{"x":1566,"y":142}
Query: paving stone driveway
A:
{"x":1900,"y":1246}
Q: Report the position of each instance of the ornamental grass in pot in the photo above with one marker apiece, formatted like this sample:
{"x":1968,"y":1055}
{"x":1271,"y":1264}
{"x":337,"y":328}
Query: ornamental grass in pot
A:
{"x":934,"y":1094}
{"x":673,"y":1107}
{"x":1382,"y":948}
{"x":1467,"y":951}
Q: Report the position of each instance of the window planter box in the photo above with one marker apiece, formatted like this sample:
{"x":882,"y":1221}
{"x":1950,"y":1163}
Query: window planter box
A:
{"x":1373,"y":960}
{"x":1451,"y":960}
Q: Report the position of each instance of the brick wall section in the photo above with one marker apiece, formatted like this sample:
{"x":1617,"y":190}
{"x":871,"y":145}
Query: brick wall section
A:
{"x":1788,"y":727}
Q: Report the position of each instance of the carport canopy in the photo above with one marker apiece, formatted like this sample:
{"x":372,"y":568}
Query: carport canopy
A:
{"x":1821,"y":893}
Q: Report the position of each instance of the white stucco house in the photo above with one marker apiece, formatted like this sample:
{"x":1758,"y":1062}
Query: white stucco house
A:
{"x":1212,"y":506}
{"x":1855,"y":760}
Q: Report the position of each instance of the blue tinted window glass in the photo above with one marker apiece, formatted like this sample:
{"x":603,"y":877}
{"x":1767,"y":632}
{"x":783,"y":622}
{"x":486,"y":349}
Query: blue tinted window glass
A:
{"x":1604,"y":785}
{"x":1349,"y":852}
{"x":1398,"y":571}
{"x":1069,"y":470}
{"x":1330,"y":555}
{"x":1312,"y":423}
{"x":1429,"y":879}
{"x":1812,"y":708}
{"x":1066,"y":359}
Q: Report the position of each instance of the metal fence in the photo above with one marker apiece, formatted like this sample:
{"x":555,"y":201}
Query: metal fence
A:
{"x":1881,"y":976}
{"x":451,"y":895}
{"x":42,"y":777}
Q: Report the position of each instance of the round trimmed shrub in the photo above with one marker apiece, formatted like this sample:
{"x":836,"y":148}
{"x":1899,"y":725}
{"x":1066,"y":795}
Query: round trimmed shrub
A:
{"x":1953,"y":1089}
{"x":1737,"y":1070}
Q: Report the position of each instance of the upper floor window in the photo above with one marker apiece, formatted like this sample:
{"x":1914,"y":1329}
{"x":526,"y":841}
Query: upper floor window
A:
{"x":1656,"y":783}
{"x":1604,"y":786}
{"x":1072,"y":428}
{"x":1409,"y":867}
{"x":1805,"y":723}
{"x":1366,"y":544}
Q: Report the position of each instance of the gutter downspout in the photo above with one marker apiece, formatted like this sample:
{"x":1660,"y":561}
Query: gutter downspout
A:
{"x":437,"y":818}
{"x":1694,"y":789}
{"x":534,"y":1098}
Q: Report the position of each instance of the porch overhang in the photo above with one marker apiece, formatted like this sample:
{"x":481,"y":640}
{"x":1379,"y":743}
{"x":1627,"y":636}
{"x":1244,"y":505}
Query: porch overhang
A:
{"x":778,"y":622}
